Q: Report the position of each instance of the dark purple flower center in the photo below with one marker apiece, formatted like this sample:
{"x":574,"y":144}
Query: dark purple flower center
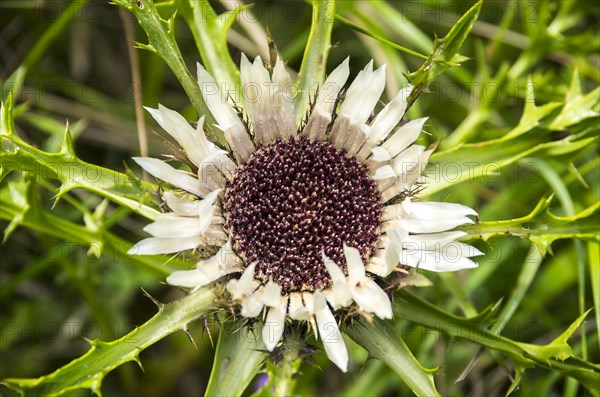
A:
{"x":293,"y":200}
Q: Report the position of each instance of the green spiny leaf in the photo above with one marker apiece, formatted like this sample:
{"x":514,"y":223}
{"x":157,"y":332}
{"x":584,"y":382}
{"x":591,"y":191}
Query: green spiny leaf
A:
{"x":532,"y":114}
{"x":7,"y":123}
{"x":66,"y":148}
{"x":577,"y":106}
{"x":518,"y":377}
{"x":542,"y":227}
{"x":18,"y":195}
{"x":383,"y":342}
{"x":558,"y":348}
{"x":72,"y":172}
{"x":444,"y":54}
{"x":412,"y":308}
{"x":89,"y":370}
{"x":35,"y":218}
{"x":467,"y":162}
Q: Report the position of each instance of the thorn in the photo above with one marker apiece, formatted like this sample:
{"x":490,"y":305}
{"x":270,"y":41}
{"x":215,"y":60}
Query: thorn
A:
{"x":468,"y":368}
{"x":250,"y":329}
{"x":95,"y":343}
{"x":187,"y":332}
{"x":205,"y":323}
{"x":313,"y":326}
{"x":307,"y":350}
{"x":136,"y":358}
{"x":66,"y":147}
{"x":154,"y":300}
{"x":314,"y":362}
{"x":278,"y":354}
{"x":64,"y":189}
{"x":95,"y":387}
{"x":263,"y":362}
{"x":310,"y":360}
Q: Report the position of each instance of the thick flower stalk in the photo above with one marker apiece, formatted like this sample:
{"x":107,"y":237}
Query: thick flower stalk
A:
{"x":304,"y":221}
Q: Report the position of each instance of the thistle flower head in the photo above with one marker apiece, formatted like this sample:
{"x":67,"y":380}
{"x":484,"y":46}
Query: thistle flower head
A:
{"x":305,"y":220}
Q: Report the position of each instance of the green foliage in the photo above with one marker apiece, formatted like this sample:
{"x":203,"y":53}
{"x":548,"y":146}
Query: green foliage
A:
{"x":541,"y":227}
{"x":445,"y":53}
{"x":21,"y":207}
{"x":530,"y":137}
{"x":519,"y":142}
{"x":89,"y":370}
{"x":70,"y":171}
{"x":161,"y":37}
{"x":384,"y":343}
{"x":14,"y":83}
{"x":594,"y":253}
{"x":238,"y":357}
{"x":210,"y":34}
{"x":556,"y":354}
{"x":314,"y":62}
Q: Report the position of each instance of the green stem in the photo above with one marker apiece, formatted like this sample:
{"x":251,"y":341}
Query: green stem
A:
{"x":210,"y":34}
{"x":528,"y":271}
{"x":73,"y":173}
{"x":239,"y":355}
{"x":161,"y":38}
{"x":444,"y":54}
{"x":541,"y":227}
{"x":314,"y":62}
{"x":562,"y":192}
{"x":559,"y":187}
{"x":556,"y":355}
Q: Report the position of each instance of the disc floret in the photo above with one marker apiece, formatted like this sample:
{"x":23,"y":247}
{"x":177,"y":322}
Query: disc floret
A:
{"x":295,"y":200}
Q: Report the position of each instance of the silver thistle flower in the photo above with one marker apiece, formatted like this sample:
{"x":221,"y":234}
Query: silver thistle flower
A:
{"x":312,"y":218}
